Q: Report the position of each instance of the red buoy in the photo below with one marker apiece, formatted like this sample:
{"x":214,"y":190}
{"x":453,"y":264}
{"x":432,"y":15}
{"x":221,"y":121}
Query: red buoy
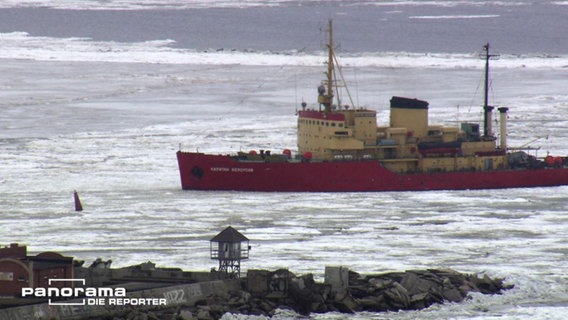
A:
{"x":78,"y":206}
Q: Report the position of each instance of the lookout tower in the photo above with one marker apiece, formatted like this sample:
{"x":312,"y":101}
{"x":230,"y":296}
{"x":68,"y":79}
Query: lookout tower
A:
{"x":230,"y":247}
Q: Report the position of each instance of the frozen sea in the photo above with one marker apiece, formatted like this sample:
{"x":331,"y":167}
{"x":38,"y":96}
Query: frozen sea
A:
{"x":97,"y":96}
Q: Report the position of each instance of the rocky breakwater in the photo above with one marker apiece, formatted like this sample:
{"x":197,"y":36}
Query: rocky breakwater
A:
{"x":263,"y":292}
{"x":414,"y":289}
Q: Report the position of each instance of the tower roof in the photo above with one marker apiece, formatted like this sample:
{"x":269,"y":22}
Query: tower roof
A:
{"x":230,"y":234}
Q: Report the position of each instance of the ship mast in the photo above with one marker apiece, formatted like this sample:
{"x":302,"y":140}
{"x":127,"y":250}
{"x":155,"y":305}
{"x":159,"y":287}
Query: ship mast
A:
{"x":326,"y":93}
{"x":487,"y":109}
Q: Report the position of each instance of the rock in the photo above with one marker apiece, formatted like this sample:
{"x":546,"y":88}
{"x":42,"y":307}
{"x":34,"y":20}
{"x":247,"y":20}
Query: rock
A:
{"x":420,"y":301}
{"x":153,"y":316}
{"x":415,"y":283}
{"x":217,"y":309}
{"x":337,"y":278}
{"x":185,"y":315}
{"x":380,"y":284}
{"x":205,"y":307}
{"x":267,"y":306}
{"x":488,"y":286}
{"x":204,"y":315}
{"x":136,"y":315}
{"x":375,"y":304}
{"x":398,"y":296}
{"x":452,"y":294}
{"x":346,"y":303}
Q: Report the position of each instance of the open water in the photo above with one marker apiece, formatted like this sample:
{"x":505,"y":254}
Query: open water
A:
{"x":96,"y":96}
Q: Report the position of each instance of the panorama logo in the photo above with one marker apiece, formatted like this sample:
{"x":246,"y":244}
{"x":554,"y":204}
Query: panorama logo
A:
{"x":86,"y":296}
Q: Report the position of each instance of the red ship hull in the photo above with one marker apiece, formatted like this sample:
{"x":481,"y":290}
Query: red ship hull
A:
{"x":200,"y":171}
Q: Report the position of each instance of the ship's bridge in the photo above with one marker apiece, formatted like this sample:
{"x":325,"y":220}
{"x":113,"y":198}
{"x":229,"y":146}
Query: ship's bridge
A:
{"x":327,"y":134}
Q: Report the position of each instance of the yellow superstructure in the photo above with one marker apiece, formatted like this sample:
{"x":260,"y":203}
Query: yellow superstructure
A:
{"x":408,"y":144}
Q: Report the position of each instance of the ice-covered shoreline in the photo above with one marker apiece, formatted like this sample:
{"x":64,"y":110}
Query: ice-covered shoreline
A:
{"x":204,"y":4}
{"x":21,"y":45}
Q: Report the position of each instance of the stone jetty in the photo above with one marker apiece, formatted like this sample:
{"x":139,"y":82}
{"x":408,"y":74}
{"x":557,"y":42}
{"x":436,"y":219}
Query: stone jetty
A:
{"x":144,"y":291}
{"x":263,"y":292}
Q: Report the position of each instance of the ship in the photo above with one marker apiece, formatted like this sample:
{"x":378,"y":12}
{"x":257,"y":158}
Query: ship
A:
{"x":341,"y":148}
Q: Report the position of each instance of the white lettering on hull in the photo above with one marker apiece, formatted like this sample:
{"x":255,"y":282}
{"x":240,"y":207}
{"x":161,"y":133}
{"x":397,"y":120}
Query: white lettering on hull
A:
{"x":224,"y":169}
